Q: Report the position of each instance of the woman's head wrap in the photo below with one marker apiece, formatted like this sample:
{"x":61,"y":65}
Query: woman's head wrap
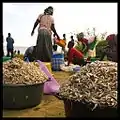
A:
{"x":112,"y":40}
{"x":80,"y":35}
{"x":49,"y":10}
{"x":110,"y":37}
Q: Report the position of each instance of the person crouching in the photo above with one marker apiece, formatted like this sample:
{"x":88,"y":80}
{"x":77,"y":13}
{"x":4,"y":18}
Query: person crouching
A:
{"x":30,"y":54}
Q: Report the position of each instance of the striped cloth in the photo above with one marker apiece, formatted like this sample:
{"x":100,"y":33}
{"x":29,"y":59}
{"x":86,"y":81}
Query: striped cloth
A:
{"x":56,"y":62}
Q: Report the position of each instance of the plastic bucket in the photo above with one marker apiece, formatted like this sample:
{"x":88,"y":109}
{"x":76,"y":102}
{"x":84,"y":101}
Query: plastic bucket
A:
{"x":4,"y":59}
{"x":22,"y":96}
{"x":58,"y":56}
{"x":48,"y":65}
{"x":57,"y":60}
{"x":78,"y":109}
{"x":61,"y":43}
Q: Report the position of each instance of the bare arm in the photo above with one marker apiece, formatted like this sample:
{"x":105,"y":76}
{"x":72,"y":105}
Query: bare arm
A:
{"x":35,"y":25}
{"x":54,"y":30}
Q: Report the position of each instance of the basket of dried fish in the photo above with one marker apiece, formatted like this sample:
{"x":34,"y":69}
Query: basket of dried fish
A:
{"x":22,"y":84}
{"x":92,"y":92}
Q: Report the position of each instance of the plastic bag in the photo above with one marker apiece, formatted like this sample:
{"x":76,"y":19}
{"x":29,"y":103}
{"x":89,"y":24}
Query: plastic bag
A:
{"x":71,"y":68}
{"x":51,"y":86}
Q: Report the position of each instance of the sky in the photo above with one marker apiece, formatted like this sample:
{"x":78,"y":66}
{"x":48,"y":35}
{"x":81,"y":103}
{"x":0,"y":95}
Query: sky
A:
{"x":70,"y":18}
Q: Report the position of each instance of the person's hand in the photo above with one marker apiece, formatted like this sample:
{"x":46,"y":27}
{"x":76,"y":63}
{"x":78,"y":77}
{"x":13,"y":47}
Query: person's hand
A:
{"x":88,"y":59}
{"x":58,"y":37}
{"x":32,"y":32}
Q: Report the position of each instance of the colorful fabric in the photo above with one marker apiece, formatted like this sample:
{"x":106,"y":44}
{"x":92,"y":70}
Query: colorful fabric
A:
{"x":74,"y":53}
{"x":110,"y":37}
{"x":85,"y":44}
{"x":81,"y":46}
{"x":91,"y":39}
{"x":45,"y":22}
{"x":92,"y":44}
{"x":84,"y":40}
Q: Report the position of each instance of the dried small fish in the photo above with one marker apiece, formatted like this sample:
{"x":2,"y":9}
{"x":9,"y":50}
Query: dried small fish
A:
{"x":17,"y":71}
{"x":96,"y":83}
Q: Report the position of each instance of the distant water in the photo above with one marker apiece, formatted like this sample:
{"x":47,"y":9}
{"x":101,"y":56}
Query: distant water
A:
{"x":22,"y":49}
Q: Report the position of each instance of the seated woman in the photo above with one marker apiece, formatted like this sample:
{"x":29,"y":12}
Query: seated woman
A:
{"x":76,"y":54}
{"x":111,"y":50}
{"x":30,"y":54}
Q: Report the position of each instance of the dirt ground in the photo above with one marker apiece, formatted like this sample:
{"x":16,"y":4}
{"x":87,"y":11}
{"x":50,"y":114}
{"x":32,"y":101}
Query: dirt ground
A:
{"x":49,"y":107}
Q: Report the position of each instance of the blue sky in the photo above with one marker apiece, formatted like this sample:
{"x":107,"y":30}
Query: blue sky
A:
{"x":19,"y":18}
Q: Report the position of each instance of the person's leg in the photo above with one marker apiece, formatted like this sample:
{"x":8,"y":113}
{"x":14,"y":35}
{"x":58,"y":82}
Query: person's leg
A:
{"x":44,"y":46}
{"x":48,"y":48}
{"x":11,"y":53}
{"x":8,"y":52}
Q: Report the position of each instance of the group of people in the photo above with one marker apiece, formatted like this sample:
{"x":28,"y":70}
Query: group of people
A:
{"x":76,"y":52}
{"x":43,"y":50}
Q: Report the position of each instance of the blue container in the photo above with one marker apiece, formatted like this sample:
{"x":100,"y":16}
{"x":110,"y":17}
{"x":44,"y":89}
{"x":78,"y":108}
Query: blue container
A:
{"x":57,"y":60}
{"x":58,"y":56}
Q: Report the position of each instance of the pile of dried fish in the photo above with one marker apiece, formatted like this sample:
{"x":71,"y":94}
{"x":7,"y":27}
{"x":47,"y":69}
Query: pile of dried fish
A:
{"x":95,"y":84}
{"x":17,"y":71}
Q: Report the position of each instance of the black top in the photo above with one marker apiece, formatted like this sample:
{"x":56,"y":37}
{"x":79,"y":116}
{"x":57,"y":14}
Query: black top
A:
{"x":71,"y":44}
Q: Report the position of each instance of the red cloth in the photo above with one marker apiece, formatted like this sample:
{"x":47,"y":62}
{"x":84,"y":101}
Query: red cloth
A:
{"x":110,"y":37}
{"x":84,"y":40}
{"x":74,"y":53}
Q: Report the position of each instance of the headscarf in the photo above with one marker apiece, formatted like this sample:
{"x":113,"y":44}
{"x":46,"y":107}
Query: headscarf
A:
{"x":112,"y":40}
{"x":111,"y":49}
{"x":49,"y":10}
{"x":81,"y":38}
{"x":110,"y":37}
{"x":80,"y":35}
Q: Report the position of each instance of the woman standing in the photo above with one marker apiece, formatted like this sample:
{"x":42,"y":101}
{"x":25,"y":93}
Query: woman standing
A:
{"x":44,"y":39}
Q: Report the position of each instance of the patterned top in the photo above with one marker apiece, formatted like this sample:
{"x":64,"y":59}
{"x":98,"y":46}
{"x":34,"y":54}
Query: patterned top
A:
{"x":45,"y":22}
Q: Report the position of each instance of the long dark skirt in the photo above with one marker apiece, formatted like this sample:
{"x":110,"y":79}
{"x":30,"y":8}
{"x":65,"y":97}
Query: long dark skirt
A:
{"x":44,"y":46}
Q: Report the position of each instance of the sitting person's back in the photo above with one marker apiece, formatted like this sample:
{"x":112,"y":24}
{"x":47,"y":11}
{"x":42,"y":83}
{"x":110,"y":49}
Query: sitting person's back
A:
{"x":30,"y":54}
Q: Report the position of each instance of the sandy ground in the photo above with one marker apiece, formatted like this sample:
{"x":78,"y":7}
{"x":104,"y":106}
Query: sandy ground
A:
{"x":49,"y":107}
